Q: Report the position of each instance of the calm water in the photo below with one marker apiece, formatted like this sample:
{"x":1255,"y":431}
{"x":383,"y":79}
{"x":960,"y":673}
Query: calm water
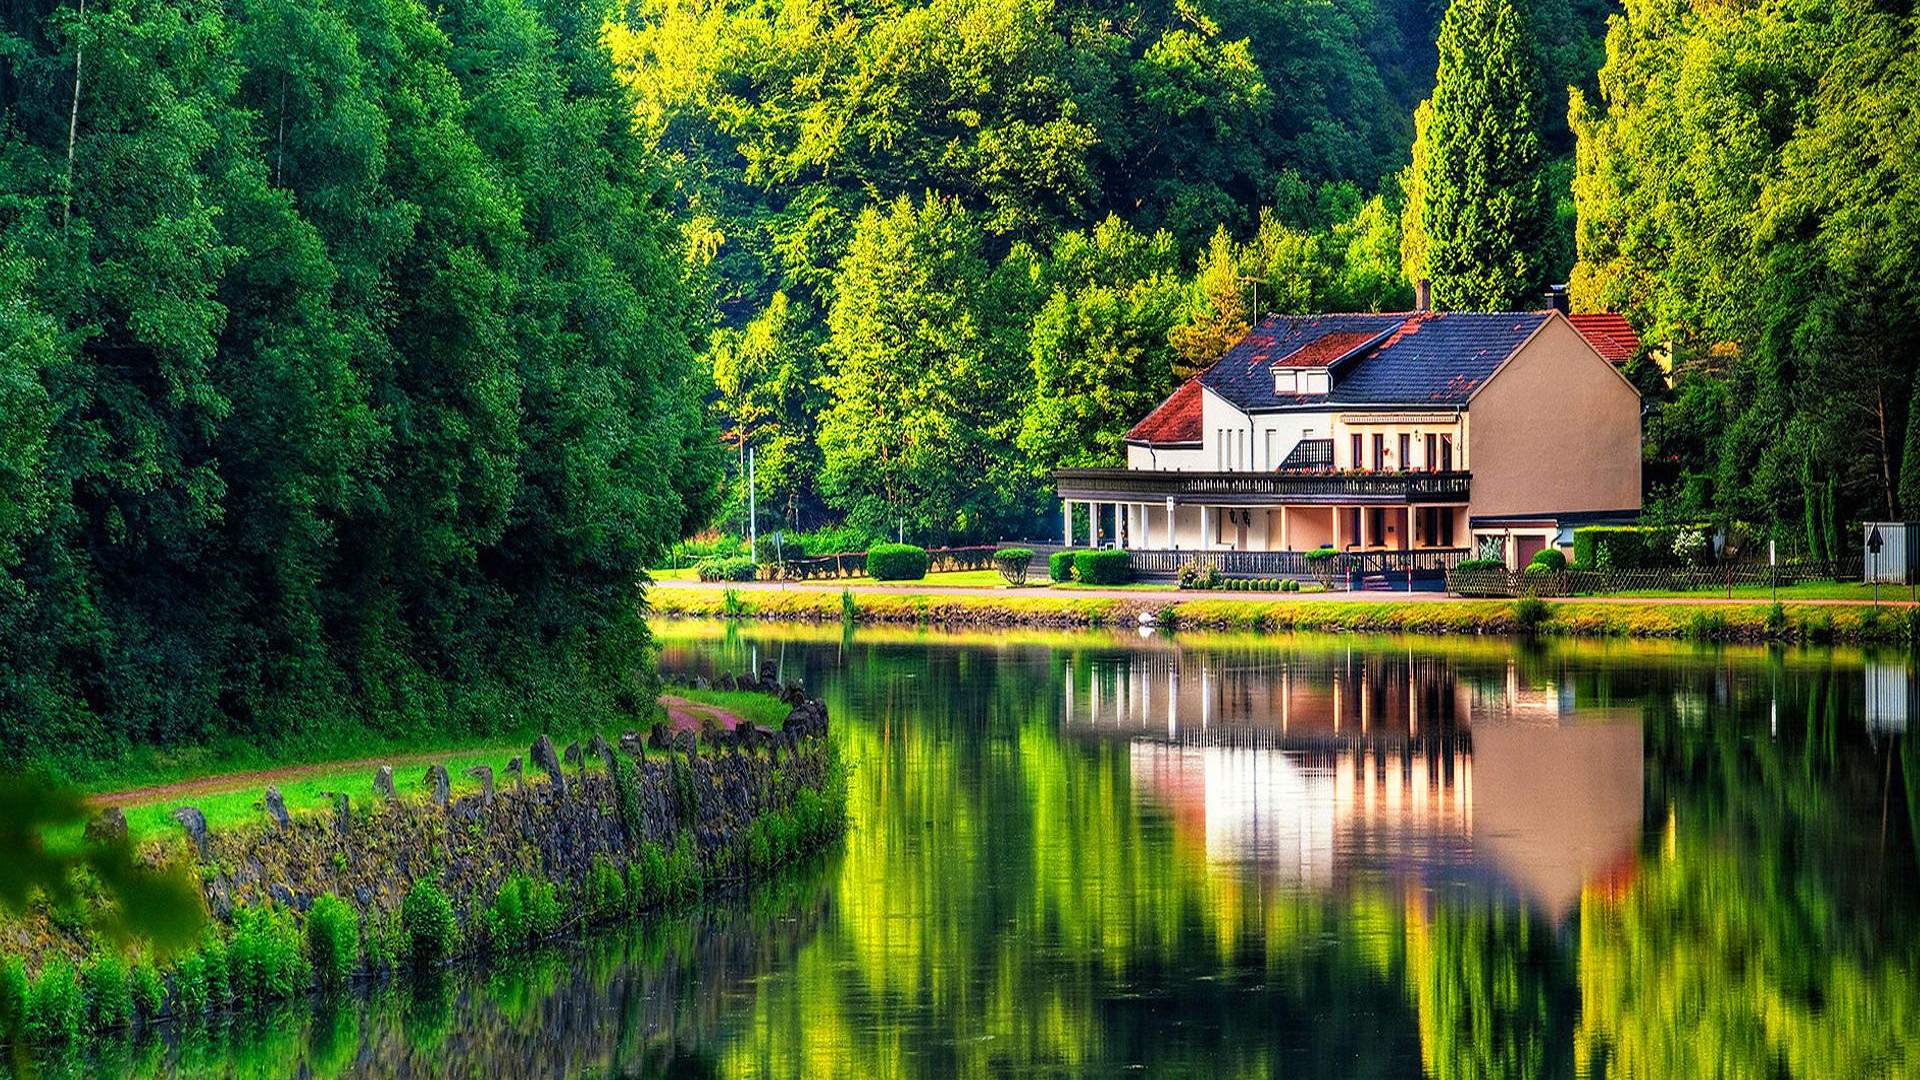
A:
{"x":1106,"y":855}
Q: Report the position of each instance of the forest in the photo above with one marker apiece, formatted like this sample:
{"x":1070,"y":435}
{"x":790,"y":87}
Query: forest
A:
{"x":358,"y":356}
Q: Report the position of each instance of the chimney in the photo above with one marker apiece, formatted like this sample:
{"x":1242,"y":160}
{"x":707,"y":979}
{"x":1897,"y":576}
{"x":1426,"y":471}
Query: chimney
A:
{"x":1423,"y":295}
{"x":1557,"y":299}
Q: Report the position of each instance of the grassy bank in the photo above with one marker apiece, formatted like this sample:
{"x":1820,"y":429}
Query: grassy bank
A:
{"x":1701,"y":621}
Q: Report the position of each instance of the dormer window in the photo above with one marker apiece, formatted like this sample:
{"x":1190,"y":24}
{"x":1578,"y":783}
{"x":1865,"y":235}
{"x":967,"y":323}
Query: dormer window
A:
{"x":1298,"y":380}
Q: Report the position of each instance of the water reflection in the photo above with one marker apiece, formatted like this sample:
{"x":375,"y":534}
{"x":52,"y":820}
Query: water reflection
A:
{"x":1083,"y":854}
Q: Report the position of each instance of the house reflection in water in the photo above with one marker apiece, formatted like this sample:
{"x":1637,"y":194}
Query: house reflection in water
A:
{"x":1318,"y":769}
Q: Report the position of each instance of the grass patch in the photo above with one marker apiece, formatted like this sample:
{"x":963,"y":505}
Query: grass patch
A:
{"x":1058,"y":607}
{"x":759,"y":709}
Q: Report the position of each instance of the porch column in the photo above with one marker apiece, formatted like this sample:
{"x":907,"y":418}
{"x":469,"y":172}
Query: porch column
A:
{"x":1365,"y":521}
{"x":1339,"y":543}
{"x":1206,"y":533}
{"x":1286,"y":535}
{"x":1406,"y":529}
{"x":1093,"y":524}
{"x":1066,"y":523}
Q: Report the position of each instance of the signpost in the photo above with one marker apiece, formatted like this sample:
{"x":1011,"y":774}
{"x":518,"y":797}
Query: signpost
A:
{"x":1873,"y":548}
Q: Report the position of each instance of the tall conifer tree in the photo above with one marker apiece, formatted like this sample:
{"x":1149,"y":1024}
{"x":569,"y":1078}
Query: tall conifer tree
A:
{"x":1485,"y":205}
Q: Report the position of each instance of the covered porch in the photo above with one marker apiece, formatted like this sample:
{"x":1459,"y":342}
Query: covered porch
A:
{"x":1262,"y":512}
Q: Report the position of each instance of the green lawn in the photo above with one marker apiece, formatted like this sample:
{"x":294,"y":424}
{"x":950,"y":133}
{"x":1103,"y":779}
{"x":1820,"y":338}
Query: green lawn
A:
{"x":762,"y":710}
{"x":1811,"y":590}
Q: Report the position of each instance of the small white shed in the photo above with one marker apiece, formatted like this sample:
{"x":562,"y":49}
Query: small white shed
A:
{"x":1892,"y":552}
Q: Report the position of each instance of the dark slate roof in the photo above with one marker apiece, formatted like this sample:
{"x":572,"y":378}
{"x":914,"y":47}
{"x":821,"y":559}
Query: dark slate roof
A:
{"x":1423,"y":359}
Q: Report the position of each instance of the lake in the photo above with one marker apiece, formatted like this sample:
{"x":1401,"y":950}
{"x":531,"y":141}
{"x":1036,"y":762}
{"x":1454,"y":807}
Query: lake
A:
{"x":1114,"y":854}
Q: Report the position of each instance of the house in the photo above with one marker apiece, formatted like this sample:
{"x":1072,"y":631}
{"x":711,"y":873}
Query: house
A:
{"x":1415,"y":437}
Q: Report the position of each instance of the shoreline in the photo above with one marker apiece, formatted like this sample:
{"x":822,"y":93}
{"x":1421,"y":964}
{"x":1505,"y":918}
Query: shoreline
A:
{"x":1708,"y":619}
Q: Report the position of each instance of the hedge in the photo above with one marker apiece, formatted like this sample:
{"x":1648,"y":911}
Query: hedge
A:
{"x":1012,"y":564}
{"x":725,"y":568}
{"x":896,"y":562}
{"x":1111,"y":567}
{"x":1480,"y":564}
{"x":1641,"y":547}
{"x":1060,"y":566}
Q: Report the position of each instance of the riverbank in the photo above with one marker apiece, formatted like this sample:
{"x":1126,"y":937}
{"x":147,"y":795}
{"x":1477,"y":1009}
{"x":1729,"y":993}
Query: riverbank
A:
{"x":1701,"y":618}
{"x":303,"y":901}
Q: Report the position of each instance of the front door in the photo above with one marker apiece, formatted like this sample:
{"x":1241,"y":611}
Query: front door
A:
{"x":1526,"y":547}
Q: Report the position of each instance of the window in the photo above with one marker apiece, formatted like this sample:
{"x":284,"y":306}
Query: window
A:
{"x":1406,"y":452}
{"x":1313,"y":382}
{"x":1273,"y":447}
{"x":1433,"y":452}
{"x":1220,"y":449}
{"x":1446,"y":453}
{"x":1283,"y":381}
{"x":1379,"y":451}
{"x":1354,"y":462}
{"x":1377,"y":525}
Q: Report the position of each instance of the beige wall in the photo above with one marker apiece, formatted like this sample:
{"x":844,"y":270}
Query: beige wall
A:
{"x":1556,"y":429}
{"x":1417,"y":426}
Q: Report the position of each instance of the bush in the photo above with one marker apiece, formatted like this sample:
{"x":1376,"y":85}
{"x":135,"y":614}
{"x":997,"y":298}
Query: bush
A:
{"x":606,"y":889}
{"x":835,"y":540}
{"x":1012,"y":564}
{"x":333,"y":941}
{"x":1060,"y":566}
{"x":1776,"y":625}
{"x":896,"y":562}
{"x":56,"y":1008}
{"x":14,"y":995}
{"x":1530,"y":612}
{"x":428,"y":918}
{"x":725,"y":568}
{"x":1641,"y":547}
{"x":56,"y":1005}
{"x":523,"y":911}
{"x":774,"y":551}
{"x":109,"y":999}
{"x":146,"y":989}
{"x":1199,"y":574}
{"x":1110,"y":567}
{"x":267,"y":961}
{"x":1552,"y":558}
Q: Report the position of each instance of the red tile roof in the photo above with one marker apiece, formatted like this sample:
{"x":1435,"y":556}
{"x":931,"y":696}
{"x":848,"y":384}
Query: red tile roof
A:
{"x":1177,"y":420}
{"x":1325,"y":349}
{"x":1609,"y":333}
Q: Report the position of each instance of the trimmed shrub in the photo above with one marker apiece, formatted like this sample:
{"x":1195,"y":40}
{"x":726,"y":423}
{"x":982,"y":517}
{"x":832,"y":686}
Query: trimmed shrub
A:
{"x":1060,"y":566}
{"x":1110,"y":567}
{"x":725,"y":568}
{"x":1012,"y":564}
{"x":428,"y":918}
{"x":1199,"y":574}
{"x":1480,"y":564}
{"x":333,"y":941}
{"x":896,"y":562}
{"x":1551,"y":558}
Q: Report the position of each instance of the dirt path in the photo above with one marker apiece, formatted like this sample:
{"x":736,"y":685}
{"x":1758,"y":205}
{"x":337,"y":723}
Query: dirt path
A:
{"x":681,"y":713}
{"x":1178,"y":596}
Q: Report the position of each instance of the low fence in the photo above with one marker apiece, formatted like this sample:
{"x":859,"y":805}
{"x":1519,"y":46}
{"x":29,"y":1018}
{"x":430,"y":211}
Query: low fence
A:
{"x":1578,"y":582}
{"x":854,"y":563}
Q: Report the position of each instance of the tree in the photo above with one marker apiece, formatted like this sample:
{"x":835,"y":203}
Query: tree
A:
{"x":924,"y":369}
{"x":1483,"y":202}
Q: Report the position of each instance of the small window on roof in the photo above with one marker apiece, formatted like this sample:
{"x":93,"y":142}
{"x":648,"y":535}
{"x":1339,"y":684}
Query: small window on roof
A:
{"x":1313,"y":382}
{"x":1283,"y":381}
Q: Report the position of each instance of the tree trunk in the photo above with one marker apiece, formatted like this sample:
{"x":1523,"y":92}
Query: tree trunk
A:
{"x":73,"y":122}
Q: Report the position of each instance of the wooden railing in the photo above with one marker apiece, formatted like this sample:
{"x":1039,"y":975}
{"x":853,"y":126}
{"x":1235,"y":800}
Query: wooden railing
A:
{"x":1145,"y":485}
{"x":1356,"y":565}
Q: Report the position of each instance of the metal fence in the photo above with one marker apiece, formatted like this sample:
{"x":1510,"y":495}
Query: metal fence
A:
{"x":1577,"y":582}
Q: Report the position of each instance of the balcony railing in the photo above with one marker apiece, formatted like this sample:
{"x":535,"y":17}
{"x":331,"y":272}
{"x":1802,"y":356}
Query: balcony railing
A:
{"x":1243,"y":488}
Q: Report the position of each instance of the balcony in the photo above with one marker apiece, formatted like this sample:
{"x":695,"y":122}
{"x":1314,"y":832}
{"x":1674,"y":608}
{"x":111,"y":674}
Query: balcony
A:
{"x":1262,"y":489}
